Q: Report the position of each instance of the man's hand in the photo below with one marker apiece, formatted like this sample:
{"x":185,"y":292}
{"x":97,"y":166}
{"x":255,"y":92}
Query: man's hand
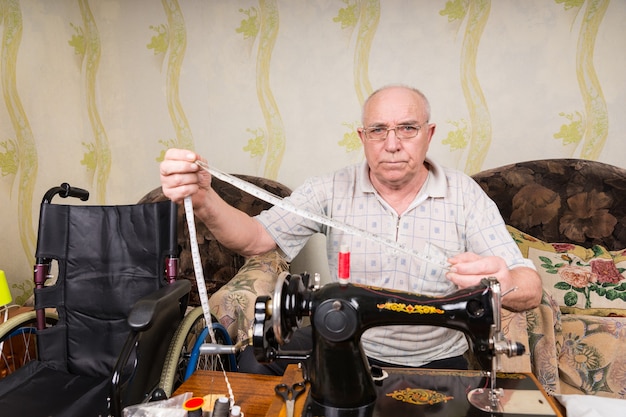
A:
{"x":181,"y":177}
{"x":468,"y":269}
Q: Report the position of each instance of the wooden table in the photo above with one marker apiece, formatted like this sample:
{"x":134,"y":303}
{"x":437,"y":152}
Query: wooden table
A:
{"x":254,"y":393}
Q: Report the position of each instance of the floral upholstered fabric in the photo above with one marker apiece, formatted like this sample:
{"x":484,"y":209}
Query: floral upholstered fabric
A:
{"x":543,"y":325}
{"x":569,"y":217}
{"x":588,"y":281}
{"x":591,"y":355}
{"x":234,"y":303}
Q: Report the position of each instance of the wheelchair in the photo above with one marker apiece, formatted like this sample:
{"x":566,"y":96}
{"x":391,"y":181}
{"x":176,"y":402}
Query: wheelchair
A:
{"x":116,"y":302}
{"x":109,"y":327}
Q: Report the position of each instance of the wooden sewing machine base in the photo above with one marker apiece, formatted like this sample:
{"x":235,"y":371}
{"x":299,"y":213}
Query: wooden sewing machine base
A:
{"x":444,"y":393}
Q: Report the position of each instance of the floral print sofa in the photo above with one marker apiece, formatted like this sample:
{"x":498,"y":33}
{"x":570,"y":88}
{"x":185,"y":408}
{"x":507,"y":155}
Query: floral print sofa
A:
{"x":569,"y":217}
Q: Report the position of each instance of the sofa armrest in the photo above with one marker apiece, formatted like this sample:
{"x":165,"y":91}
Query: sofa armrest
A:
{"x":591,"y":359}
{"x":233,"y":303}
{"x":544,"y":337}
{"x":538,"y":330}
{"x":514,"y":327}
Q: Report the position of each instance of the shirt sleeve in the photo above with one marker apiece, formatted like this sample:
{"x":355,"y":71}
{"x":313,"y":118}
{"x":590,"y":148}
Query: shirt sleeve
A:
{"x":487,"y":234}
{"x":291,"y":231}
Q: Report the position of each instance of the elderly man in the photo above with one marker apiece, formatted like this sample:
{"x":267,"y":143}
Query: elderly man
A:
{"x":399,"y":194}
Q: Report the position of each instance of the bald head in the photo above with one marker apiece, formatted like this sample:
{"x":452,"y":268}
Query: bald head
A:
{"x":419,"y":96}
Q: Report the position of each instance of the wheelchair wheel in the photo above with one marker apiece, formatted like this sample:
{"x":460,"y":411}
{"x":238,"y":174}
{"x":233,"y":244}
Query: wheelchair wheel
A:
{"x":18,"y":340}
{"x":183,"y":357}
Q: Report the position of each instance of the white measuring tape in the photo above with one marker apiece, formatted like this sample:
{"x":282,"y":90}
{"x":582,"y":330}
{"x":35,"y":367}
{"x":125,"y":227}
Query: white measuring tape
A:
{"x":318,"y":218}
{"x":197,"y":264}
{"x":202,"y":292}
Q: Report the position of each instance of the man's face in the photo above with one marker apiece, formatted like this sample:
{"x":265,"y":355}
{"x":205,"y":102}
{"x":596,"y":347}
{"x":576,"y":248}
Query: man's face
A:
{"x":395,"y":163}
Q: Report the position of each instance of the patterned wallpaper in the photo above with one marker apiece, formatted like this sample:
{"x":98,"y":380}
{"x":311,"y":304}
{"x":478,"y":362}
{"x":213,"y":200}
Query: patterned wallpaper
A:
{"x":93,"y":92}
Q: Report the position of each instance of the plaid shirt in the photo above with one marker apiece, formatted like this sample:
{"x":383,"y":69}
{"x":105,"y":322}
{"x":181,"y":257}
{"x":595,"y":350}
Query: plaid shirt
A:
{"x":450,"y":215}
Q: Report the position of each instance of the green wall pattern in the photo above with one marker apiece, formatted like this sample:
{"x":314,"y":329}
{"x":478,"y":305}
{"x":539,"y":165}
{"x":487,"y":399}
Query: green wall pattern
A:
{"x":597,"y":121}
{"x":97,"y":159}
{"x":592,"y":128}
{"x":363,"y":15}
{"x":477,"y":132}
{"x":177,"y":44}
{"x":268,"y":32}
{"x":369,"y":16}
{"x":480,"y":119}
{"x":27,"y":165}
{"x":249,"y":28}
{"x":263,"y":23}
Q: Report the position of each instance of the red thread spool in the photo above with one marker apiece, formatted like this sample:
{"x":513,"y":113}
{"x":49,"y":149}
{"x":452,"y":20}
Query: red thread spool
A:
{"x":343,"y":273}
{"x":194,"y":406}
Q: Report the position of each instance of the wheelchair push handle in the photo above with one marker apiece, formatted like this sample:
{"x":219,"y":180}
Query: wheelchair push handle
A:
{"x":42,"y":266}
{"x":65,"y":190}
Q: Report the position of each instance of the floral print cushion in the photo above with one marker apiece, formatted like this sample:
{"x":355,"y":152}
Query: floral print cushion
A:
{"x":587,"y":281}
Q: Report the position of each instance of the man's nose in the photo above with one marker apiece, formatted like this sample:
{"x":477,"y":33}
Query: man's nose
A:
{"x":392,"y":142}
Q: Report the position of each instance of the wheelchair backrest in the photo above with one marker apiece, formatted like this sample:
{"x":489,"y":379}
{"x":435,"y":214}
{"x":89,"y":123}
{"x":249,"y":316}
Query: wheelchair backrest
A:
{"x":108,"y":257}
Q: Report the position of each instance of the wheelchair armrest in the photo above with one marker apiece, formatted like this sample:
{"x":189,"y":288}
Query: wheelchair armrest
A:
{"x":144,"y":311}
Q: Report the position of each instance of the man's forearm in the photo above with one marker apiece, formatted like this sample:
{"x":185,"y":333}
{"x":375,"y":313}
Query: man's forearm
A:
{"x":233,"y":228}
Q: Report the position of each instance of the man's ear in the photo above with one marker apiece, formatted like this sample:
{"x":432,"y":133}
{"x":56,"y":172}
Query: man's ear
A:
{"x":359,"y":131}
{"x":431,"y":131}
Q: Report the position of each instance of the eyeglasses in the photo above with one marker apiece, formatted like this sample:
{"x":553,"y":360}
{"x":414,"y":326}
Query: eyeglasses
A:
{"x":380,"y":133}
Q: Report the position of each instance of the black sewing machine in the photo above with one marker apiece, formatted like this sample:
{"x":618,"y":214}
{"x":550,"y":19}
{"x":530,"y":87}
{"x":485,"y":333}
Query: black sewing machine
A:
{"x":341,"y":381}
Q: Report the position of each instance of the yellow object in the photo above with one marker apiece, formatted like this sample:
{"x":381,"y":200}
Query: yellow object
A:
{"x":5,"y":293}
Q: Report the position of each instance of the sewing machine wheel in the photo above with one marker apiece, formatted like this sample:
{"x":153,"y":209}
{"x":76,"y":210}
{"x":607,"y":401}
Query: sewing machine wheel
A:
{"x":278,"y":316}
{"x":263,"y":341}
{"x":287,"y":306}
{"x":275,"y":313}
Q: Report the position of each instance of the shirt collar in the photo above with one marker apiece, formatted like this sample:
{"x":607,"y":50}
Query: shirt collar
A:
{"x":435,"y":185}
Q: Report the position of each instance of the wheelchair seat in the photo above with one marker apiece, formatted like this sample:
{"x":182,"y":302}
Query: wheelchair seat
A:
{"x":118,"y":308}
